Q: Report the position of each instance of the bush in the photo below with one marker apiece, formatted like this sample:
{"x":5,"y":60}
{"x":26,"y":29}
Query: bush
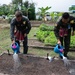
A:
{"x":41,"y":35}
{"x":45,"y":34}
{"x":51,"y":39}
{"x":45,"y":27}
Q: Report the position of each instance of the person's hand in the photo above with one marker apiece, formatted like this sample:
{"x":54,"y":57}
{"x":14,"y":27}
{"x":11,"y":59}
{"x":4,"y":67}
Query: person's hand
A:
{"x":58,"y":42}
{"x":73,"y":33}
{"x":13,"y":41}
{"x":25,"y":35}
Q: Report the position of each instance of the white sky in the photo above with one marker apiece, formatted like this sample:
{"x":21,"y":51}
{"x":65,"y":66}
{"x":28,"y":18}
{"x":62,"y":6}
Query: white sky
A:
{"x":57,"y":5}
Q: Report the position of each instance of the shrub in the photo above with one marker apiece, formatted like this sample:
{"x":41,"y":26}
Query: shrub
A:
{"x":51,"y":39}
{"x":45,"y":34}
{"x":41,"y":35}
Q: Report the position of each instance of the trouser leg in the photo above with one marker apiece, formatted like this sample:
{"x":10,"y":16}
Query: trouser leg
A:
{"x":66,"y":45}
{"x":25,"y":45}
{"x":61,"y":40}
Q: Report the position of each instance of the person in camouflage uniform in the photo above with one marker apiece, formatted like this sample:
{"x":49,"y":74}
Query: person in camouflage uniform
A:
{"x":63,"y":28}
{"x":20,"y":26}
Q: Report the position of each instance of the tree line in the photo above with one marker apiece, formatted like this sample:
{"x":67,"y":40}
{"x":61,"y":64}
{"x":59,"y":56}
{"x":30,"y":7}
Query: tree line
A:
{"x":27,"y":8}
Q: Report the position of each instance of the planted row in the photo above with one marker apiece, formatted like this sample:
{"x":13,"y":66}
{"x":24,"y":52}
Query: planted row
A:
{"x":46,"y":35}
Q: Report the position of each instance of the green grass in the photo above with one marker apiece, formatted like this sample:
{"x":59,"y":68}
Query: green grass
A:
{"x":32,"y":33}
{"x":41,"y":52}
{"x":5,"y":39}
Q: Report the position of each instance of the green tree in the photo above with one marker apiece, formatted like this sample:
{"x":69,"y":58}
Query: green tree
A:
{"x":3,"y":9}
{"x":28,"y":10}
{"x":18,"y":3}
{"x":72,"y":8}
{"x":12,"y":8}
{"x":31,"y":11}
{"x":55,"y":15}
{"x":25,"y":8}
{"x":43,"y":11}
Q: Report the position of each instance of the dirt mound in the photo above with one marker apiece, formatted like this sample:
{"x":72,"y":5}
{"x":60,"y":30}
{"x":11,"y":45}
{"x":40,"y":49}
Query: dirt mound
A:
{"x":32,"y":65}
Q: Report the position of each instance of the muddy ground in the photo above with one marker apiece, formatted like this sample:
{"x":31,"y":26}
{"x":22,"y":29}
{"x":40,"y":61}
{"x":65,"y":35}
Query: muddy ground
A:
{"x":33,"y":65}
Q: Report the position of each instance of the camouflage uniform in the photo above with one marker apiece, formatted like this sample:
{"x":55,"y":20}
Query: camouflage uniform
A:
{"x":63,"y":32}
{"x":23,"y":27}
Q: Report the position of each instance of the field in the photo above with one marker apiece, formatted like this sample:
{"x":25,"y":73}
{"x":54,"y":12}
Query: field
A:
{"x":34,"y":63}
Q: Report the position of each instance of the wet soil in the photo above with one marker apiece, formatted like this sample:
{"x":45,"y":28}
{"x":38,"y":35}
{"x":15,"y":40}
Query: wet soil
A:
{"x":33,"y":65}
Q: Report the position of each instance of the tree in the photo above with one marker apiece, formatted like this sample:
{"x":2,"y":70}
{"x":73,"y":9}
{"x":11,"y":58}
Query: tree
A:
{"x":13,"y":8}
{"x":28,"y":9}
{"x":31,"y":11}
{"x":72,"y":8}
{"x":18,"y":3}
{"x":3,"y":9}
{"x":43,"y":11}
{"x":55,"y":15}
{"x":25,"y":8}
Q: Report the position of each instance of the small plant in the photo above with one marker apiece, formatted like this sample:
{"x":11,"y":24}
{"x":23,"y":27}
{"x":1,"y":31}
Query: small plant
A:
{"x":45,"y":34}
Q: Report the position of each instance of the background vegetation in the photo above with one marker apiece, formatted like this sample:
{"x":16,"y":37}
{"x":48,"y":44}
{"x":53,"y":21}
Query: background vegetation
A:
{"x":46,"y":35}
{"x":28,"y":9}
{"x":5,"y":43}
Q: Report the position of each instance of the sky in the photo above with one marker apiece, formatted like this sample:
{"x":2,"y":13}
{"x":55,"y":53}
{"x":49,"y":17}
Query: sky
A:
{"x":56,"y":5}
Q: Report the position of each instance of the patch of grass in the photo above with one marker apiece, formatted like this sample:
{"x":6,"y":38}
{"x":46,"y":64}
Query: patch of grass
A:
{"x":4,"y":34}
{"x":5,"y":39}
{"x":41,"y":52}
{"x":32,"y":33}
